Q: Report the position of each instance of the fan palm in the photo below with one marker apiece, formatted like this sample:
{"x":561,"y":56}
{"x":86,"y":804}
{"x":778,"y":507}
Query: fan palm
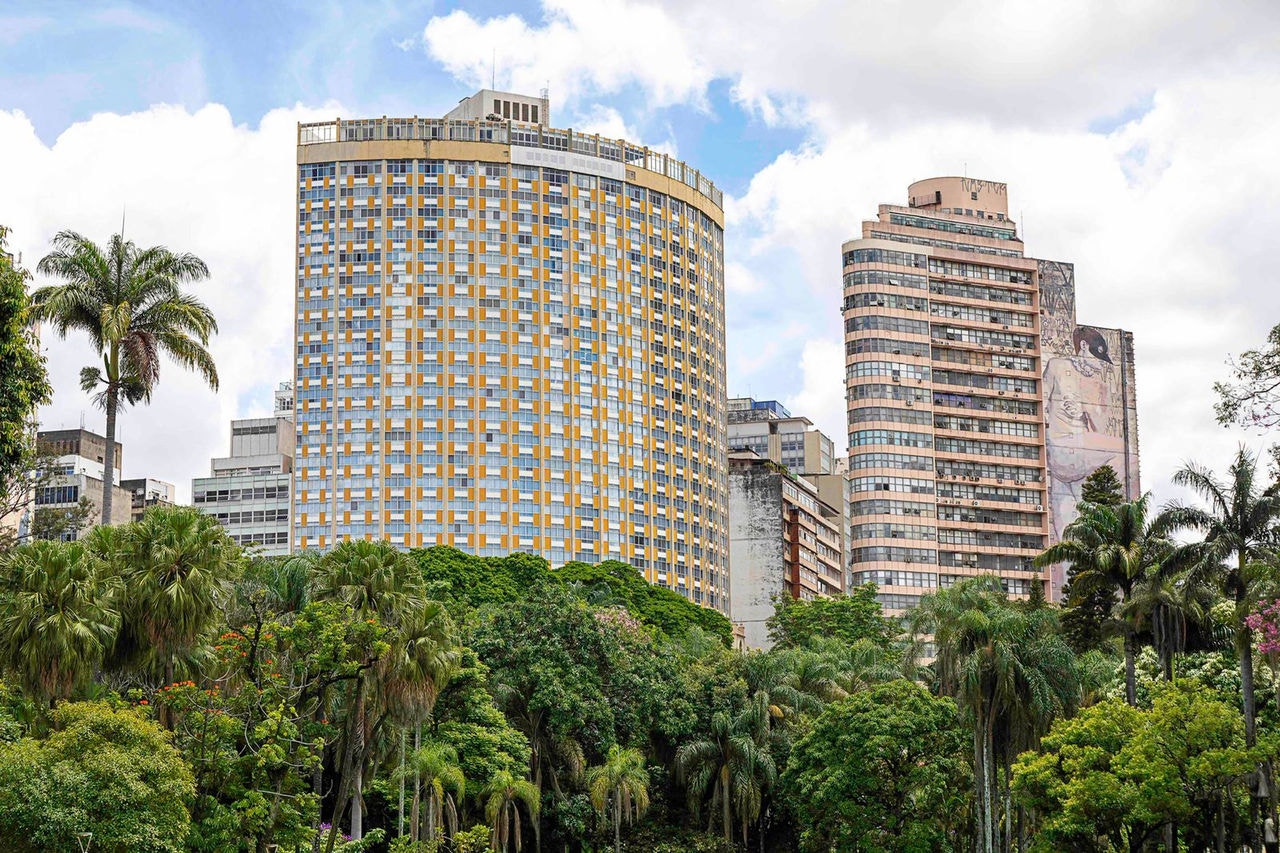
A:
{"x":1238,"y":554}
{"x":57,"y":616}
{"x":131,"y":304}
{"x":623,"y":783}
{"x":178,"y":567}
{"x":1112,"y":548}
{"x":504,"y":796}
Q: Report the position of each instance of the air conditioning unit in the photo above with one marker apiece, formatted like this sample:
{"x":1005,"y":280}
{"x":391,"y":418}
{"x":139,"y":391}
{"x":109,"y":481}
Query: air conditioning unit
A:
{"x":1039,"y":508}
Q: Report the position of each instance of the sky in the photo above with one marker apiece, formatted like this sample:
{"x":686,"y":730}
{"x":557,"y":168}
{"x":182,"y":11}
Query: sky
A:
{"x":1138,"y":140}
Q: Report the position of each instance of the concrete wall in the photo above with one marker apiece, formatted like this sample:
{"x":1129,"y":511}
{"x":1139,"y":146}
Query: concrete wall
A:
{"x":756,"y":550}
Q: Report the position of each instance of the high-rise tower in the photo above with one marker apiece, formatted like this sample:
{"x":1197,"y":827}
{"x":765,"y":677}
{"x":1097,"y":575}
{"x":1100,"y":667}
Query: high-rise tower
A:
{"x":977,"y":405}
{"x":511,"y":338}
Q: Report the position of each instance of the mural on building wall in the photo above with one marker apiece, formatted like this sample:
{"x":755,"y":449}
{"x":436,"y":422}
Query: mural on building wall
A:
{"x":1089,"y":403}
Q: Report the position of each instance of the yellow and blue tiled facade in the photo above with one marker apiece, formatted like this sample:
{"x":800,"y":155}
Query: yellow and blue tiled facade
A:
{"x":511,"y":338}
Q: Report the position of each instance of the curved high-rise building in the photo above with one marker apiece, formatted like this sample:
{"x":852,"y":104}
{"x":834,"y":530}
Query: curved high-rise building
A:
{"x":511,"y":338}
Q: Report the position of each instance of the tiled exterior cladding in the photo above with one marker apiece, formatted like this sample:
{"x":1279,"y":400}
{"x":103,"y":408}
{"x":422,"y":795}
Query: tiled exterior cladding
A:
{"x":511,"y":338}
{"x":945,"y":376}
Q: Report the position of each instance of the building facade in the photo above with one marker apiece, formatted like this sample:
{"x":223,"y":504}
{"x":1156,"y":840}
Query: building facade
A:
{"x":783,"y":540}
{"x":146,"y":492}
{"x":766,"y":427}
{"x":511,"y":338}
{"x":249,"y":491}
{"x":77,"y":475}
{"x":977,"y":404}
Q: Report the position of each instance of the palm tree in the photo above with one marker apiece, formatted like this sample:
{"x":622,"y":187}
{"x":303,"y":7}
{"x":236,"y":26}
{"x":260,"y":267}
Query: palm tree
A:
{"x":131,"y":304}
{"x":503,"y":796}
{"x":377,"y":582}
{"x":1010,"y":670}
{"x":434,"y":768}
{"x":178,"y":566}
{"x":58,"y":616}
{"x":1238,"y":554}
{"x":623,"y":782}
{"x":733,"y":766}
{"x":1173,"y":605}
{"x":1112,"y":548}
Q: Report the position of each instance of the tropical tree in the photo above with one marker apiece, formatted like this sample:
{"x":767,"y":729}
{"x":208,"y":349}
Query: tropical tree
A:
{"x":1112,"y":548}
{"x":132,"y":305}
{"x":1011,"y":672}
{"x":434,"y":769}
{"x":731,"y":769}
{"x":1085,"y":613}
{"x":178,"y":567}
{"x":58,"y":616}
{"x":504,"y":796}
{"x":1238,"y":554}
{"x":623,"y":783}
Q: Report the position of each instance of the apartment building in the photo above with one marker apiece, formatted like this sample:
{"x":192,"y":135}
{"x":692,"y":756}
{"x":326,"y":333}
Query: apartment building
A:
{"x":78,"y":474}
{"x":511,"y":338}
{"x":977,"y":404}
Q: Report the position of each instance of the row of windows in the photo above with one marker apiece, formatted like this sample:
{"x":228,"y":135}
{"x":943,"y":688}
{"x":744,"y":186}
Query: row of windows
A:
{"x":910,"y":393}
{"x":58,"y":495}
{"x":890,"y":460}
{"x":897,"y":371}
{"x":889,"y":530}
{"x":883,"y":323}
{"x":900,"y":438}
{"x":947,"y":244}
{"x":986,"y":538}
{"x":257,"y":493}
{"x":980,"y":291}
{"x":967,"y":228}
{"x":964,"y":270}
{"x":273,"y":538}
{"x":951,"y":468}
{"x":885,"y":256}
{"x":884,"y":506}
{"x":863,"y":414}
{"x":985,"y":404}
{"x":894,"y":279}
{"x":255,"y":516}
{"x":983,"y":515}
{"x":890,"y":484}
{"x":892,"y":554}
{"x":984,"y":359}
{"x":899,"y":301}
{"x":984,"y":337}
{"x":916,"y":348}
{"x":946,"y":444}
{"x":894,"y":577}
{"x":985,"y":425}
{"x":981,"y":315}
{"x":983,"y":492}
{"x":986,"y":562}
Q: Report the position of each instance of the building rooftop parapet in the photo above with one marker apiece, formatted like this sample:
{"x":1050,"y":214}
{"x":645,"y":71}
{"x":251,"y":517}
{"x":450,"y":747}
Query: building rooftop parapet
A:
{"x":509,"y":132}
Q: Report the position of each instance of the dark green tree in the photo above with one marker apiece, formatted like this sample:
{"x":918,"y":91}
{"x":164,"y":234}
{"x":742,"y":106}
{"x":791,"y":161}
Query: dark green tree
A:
{"x":882,"y":770}
{"x":1102,"y":487}
{"x":1086,"y":612}
{"x":24,"y":384}
{"x":848,"y":618}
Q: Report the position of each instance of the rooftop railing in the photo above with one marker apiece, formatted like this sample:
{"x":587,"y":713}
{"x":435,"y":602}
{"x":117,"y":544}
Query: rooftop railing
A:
{"x":508,"y":133}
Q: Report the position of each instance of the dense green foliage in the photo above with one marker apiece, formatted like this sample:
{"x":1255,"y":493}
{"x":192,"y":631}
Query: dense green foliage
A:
{"x":846,"y":619}
{"x":24,"y":385}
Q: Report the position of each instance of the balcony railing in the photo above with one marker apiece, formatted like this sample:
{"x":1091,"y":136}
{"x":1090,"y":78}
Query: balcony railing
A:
{"x":508,"y":133}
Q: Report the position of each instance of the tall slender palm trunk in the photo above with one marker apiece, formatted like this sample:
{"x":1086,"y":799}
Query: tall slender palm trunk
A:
{"x":109,"y":454}
{"x":1130,"y":675}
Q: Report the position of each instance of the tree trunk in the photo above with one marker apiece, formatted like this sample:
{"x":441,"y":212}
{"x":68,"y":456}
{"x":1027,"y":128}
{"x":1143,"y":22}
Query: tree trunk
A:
{"x":354,"y":732}
{"x":400,"y":808}
{"x":109,"y":454}
{"x":617,"y":821}
{"x":357,"y":806}
{"x":1130,"y":679}
{"x":724,"y":804}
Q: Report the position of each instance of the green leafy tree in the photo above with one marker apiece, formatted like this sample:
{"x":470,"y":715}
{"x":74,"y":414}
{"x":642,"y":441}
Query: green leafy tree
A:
{"x":1086,"y":612}
{"x":1252,"y":397}
{"x":178,"y":567}
{"x":1102,"y":488}
{"x":1112,"y":549}
{"x":1012,"y":674}
{"x":847,"y":618}
{"x":620,"y":786}
{"x":24,"y":384}
{"x":103,"y":770}
{"x":504,"y":796}
{"x":132,"y":305}
{"x":882,"y":770}
{"x":1237,"y":555}
{"x":58,"y":616}
{"x":1120,"y":773}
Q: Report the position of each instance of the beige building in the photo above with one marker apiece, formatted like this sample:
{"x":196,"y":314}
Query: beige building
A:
{"x":783,"y":540}
{"x":977,"y":405}
{"x":79,"y":471}
{"x":511,"y":338}
{"x":768,"y":429}
{"x":146,"y":492}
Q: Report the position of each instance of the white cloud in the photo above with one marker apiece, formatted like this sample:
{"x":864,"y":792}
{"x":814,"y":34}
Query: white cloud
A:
{"x":194,"y":182}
